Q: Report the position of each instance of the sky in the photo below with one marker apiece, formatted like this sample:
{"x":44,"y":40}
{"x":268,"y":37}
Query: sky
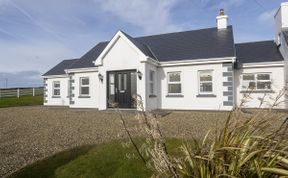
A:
{"x":35,"y":35}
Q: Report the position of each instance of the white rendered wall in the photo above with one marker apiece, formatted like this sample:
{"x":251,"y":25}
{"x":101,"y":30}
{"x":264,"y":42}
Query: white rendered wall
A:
{"x":277,"y":75}
{"x":152,"y":101}
{"x":63,"y":100}
{"x":190,"y":89}
{"x":122,"y":56}
{"x":86,"y":102}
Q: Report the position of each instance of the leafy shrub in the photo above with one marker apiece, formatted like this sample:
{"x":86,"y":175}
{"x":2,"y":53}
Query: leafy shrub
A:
{"x":248,"y":145}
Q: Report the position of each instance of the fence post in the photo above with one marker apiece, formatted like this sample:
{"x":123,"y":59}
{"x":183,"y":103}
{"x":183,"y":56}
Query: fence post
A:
{"x":18,"y":93}
{"x":0,"y":93}
{"x":33,"y":91}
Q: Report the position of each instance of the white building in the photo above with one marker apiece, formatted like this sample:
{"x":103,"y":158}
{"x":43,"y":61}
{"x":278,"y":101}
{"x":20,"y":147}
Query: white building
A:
{"x":192,"y":70}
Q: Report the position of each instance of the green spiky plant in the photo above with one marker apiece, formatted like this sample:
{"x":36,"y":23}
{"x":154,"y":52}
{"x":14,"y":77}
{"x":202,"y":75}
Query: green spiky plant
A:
{"x":248,"y":145}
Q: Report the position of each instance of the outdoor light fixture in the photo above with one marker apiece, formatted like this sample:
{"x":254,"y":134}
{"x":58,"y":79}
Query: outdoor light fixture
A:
{"x":101,"y":77}
{"x":139,"y":74}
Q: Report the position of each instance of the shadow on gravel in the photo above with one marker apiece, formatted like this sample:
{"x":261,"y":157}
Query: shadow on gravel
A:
{"x":46,"y":167}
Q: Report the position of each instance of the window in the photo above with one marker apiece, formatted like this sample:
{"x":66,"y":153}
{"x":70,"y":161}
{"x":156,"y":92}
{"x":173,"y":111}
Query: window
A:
{"x":56,"y":88}
{"x":205,"y":82}
{"x":151,"y":82}
{"x":260,"y":81}
{"x":174,"y":83}
{"x":84,"y":86}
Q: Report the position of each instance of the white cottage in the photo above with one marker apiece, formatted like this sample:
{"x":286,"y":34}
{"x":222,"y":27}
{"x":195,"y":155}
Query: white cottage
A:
{"x":192,"y":70}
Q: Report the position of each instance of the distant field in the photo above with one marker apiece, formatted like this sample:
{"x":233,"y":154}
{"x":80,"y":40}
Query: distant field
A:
{"x":22,"y":101}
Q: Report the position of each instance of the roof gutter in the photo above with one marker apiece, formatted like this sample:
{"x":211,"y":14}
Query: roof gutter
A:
{"x":198,"y":61}
{"x":54,"y":76}
{"x":262,"y":64}
{"x":81,"y":70}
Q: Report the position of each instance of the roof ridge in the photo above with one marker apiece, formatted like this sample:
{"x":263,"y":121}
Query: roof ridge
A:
{"x":254,"y":42}
{"x":170,"y":33}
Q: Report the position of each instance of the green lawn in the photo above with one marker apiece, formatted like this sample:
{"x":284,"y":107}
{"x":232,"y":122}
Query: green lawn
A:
{"x":105,"y":160}
{"x":22,"y":101}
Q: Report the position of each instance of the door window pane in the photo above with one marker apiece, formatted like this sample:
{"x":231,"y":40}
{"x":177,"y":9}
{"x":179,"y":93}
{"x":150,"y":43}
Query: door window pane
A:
{"x":111,"y":84}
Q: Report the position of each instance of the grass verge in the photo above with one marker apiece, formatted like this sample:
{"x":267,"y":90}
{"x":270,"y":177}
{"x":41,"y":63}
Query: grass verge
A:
{"x":22,"y":101}
{"x":103,"y":160}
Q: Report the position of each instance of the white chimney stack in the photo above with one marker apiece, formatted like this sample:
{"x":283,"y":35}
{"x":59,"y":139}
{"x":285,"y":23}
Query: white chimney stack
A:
{"x":281,"y":21}
{"x":222,"y":20}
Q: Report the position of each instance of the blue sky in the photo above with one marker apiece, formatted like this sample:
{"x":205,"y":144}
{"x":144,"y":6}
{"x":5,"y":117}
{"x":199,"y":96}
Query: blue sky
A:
{"x":35,"y":35}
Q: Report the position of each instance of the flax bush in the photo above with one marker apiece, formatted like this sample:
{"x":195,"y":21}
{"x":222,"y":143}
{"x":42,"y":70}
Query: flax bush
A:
{"x":248,"y":145}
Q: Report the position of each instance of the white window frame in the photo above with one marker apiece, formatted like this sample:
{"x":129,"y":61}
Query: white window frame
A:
{"x":256,"y":81}
{"x":168,"y":82}
{"x":81,"y":86}
{"x":56,"y":88}
{"x":152,"y":82}
{"x":199,"y":82}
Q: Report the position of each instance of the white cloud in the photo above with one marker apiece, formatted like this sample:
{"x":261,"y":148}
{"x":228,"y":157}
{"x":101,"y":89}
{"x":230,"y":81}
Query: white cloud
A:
{"x":38,"y":55}
{"x":153,"y":16}
{"x":267,"y":16}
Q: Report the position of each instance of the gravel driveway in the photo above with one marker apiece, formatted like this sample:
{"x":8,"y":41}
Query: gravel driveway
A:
{"x":28,"y":134}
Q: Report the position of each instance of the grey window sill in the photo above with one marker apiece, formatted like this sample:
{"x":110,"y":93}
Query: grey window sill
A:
{"x":258,"y":91}
{"x":56,"y":96}
{"x":206,"y":95}
{"x":174,"y":95}
{"x":84,"y":97}
{"x":152,"y":96}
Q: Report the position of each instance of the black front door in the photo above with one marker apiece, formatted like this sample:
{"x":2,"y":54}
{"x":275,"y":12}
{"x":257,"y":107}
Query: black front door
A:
{"x":121,"y":88}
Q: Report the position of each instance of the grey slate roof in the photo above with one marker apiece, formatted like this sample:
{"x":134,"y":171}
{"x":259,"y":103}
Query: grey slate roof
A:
{"x":195,"y":44}
{"x":87,"y":59}
{"x":144,"y":48}
{"x":59,"y":68}
{"x":188,"y":45}
{"x":263,"y":51}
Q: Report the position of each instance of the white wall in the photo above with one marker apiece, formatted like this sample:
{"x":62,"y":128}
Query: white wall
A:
{"x":152,"y":101}
{"x":63,"y":100}
{"x":93,"y":100}
{"x":122,"y":56}
{"x":277,"y":75}
{"x":190,"y":89}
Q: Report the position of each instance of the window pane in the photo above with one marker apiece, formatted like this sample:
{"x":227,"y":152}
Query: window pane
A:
{"x":206,"y":76}
{"x":263,"y":85}
{"x":251,"y":85}
{"x":84,"y":90}
{"x":125,"y":81}
{"x":174,"y":88}
{"x":119,"y":82}
{"x":152,"y":76}
{"x":56,"y":92}
{"x":56,"y":84}
{"x":263,"y":76}
{"x":85,"y":81}
{"x":174,"y":77}
{"x":111,"y":78}
{"x":206,"y":87}
{"x":248,"y":77}
{"x":151,"y":88}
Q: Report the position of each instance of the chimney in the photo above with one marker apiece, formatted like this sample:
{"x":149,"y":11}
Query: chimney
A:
{"x":222,"y":20}
{"x":281,"y":21}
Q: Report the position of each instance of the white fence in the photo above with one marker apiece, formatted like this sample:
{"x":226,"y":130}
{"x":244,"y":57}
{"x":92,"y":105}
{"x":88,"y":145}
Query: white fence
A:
{"x":19,"y":92}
